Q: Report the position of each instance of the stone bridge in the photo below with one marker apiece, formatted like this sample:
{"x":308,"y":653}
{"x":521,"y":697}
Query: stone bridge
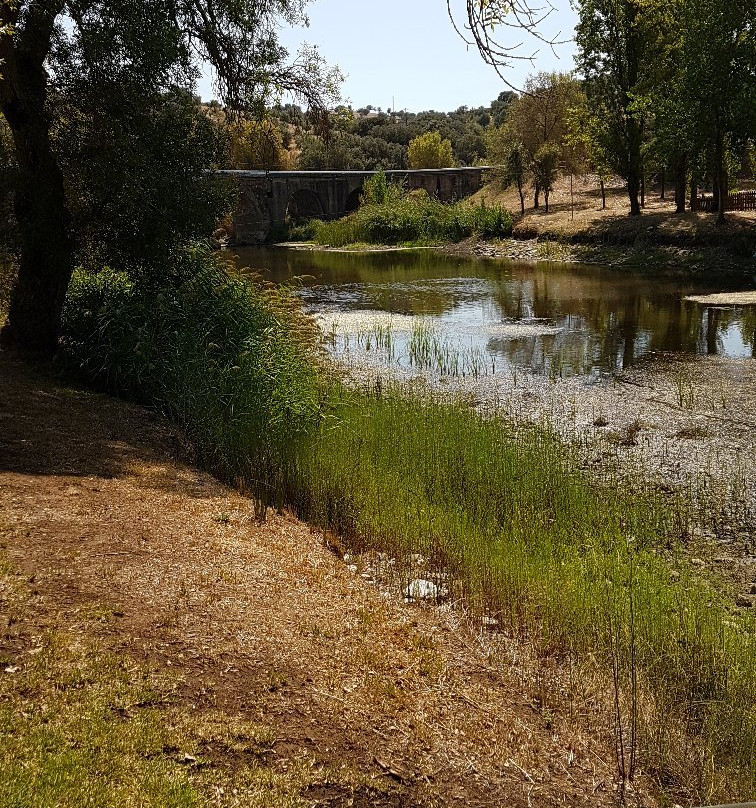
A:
{"x":268,"y":199}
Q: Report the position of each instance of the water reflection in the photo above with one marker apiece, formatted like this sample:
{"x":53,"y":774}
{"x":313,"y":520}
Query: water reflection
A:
{"x":582,"y":320}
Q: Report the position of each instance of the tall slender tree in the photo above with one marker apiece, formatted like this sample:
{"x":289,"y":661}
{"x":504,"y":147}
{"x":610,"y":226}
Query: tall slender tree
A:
{"x":611,"y":44}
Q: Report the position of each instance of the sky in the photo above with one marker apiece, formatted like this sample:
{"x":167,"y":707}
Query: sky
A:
{"x":405,"y":54}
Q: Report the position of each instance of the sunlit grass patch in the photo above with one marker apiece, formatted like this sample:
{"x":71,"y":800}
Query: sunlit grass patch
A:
{"x":577,"y":567}
{"x":73,"y":733}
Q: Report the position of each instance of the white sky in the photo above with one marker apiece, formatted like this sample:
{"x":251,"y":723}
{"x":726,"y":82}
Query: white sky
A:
{"x":407,"y":50}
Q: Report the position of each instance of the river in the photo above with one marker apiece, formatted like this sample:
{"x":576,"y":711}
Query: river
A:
{"x":424,"y":312}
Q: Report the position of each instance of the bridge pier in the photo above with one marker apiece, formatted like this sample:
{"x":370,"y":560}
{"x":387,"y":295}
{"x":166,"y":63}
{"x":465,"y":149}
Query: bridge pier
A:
{"x":266,"y":198}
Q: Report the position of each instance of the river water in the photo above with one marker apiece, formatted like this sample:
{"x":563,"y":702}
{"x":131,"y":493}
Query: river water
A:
{"x":418,"y":311}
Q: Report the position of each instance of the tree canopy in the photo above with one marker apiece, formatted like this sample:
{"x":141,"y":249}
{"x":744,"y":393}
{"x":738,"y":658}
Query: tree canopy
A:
{"x":430,"y":151}
{"x":120,"y":75}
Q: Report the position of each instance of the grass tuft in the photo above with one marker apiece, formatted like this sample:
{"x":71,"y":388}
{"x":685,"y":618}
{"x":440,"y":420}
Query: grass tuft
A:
{"x":229,"y":361}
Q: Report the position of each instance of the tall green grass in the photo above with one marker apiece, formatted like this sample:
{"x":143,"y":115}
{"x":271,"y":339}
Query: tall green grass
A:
{"x":578,"y":567}
{"x":573,"y":566}
{"x":229,"y":361}
{"x":414,"y":218}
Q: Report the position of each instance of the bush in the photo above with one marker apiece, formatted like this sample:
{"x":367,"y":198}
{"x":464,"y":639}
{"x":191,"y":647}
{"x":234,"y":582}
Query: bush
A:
{"x":413,"y":218}
{"x":231,"y":363}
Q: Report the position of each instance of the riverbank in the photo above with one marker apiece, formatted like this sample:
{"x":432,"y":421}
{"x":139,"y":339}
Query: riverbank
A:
{"x":577,"y":230}
{"x":679,"y":426}
{"x":159,"y":644}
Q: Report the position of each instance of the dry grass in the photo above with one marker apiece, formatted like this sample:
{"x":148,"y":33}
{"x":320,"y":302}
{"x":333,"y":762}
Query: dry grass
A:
{"x":578,"y":219}
{"x":342,"y":692}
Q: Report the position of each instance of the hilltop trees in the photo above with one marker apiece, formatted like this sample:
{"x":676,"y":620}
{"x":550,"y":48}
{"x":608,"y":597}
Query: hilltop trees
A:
{"x":46,"y":44}
{"x":430,"y":151}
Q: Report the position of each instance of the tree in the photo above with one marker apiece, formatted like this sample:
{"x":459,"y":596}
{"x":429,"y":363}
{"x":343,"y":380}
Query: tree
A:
{"x":704,"y":101}
{"x":546,"y":168}
{"x":541,"y":116}
{"x":610,"y":52}
{"x":430,"y":151}
{"x":516,"y":170}
{"x":39,"y":38}
{"x":257,"y":145}
{"x":586,"y":134}
{"x":511,"y":160}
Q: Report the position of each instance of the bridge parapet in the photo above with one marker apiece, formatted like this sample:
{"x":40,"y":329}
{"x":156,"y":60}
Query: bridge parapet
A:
{"x":266,"y":198}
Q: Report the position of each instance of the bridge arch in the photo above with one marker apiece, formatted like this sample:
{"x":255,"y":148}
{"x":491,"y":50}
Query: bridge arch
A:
{"x":353,"y":200}
{"x":268,"y":199}
{"x":304,"y":203}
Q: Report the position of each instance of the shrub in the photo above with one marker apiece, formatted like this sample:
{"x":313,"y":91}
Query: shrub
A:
{"x":413,"y":218}
{"x":230,"y":362}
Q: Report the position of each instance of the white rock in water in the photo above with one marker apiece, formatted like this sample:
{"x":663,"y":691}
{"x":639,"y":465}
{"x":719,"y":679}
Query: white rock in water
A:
{"x":420,"y":589}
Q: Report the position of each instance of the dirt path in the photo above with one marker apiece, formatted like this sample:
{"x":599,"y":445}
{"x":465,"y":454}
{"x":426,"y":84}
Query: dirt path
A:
{"x":265,"y":623}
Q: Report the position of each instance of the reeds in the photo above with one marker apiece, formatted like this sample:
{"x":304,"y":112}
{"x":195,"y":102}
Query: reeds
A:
{"x":216,"y":353}
{"x":410,"y":219}
{"x":570,"y":564}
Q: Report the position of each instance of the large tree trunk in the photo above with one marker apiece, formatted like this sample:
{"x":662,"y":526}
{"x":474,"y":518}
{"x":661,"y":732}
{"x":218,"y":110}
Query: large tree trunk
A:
{"x":633,"y":191}
{"x":536,"y":196}
{"x":45,"y":267}
{"x":46,"y":254}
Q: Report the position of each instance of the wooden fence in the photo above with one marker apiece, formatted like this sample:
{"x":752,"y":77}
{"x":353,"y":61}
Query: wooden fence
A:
{"x":742,"y":200}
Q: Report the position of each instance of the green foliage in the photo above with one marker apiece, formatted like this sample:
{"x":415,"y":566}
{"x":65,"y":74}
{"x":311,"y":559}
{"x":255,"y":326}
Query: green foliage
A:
{"x":611,"y":49}
{"x":230,"y":363}
{"x":697,"y":84}
{"x":377,"y":190}
{"x":430,"y":151}
{"x":133,"y":147}
{"x":256,"y":145}
{"x":414,"y":219}
{"x":64,"y":745}
{"x":536,"y":132}
{"x":347,"y":151}
{"x":546,"y":167}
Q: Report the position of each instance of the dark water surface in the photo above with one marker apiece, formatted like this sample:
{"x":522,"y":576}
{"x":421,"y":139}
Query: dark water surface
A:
{"x":559,"y":319}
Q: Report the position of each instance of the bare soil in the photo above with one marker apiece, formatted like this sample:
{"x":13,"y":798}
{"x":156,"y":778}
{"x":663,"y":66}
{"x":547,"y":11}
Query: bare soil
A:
{"x":690,"y":241}
{"x":99,"y":511}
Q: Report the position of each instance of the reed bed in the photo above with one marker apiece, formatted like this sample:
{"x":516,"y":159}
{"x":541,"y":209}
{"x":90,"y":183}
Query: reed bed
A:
{"x":575,"y":566}
{"x":393,"y":217}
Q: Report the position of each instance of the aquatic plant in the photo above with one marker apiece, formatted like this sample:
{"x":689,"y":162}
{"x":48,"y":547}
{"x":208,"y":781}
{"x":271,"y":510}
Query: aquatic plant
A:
{"x":573,"y":566}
